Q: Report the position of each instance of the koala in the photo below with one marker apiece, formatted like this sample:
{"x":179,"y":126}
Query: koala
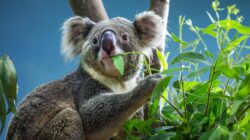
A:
{"x":94,"y":101}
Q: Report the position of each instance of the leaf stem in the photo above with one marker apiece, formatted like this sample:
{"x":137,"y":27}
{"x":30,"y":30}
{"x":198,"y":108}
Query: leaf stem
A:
{"x":181,"y":22}
{"x":173,"y":106}
{"x":211,"y":80}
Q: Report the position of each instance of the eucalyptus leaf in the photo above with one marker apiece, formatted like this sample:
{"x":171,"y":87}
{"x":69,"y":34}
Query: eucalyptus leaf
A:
{"x":191,"y":57}
{"x":244,"y":91}
{"x":2,"y":107}
{"x":9,"y":78}
{"x":235,"y":106}
{"x":173,"y":70}
{"x":234,"y":43}
{"x":209,"y":54}
{"x":230,"y":24}
{"x":245,"y":121}
{"x":176,"y":39}
{"x":162,"y":59}
{"x":164,"y":128}
{"x":199,"y":72}
{"x":158,"y":90}
{"x":11,"y":105}
{"x":119,"y":63}
{"x":163,"y":136}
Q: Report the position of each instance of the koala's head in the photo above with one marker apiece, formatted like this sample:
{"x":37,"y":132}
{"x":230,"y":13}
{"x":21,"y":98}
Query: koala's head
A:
{"x":98,"y":42}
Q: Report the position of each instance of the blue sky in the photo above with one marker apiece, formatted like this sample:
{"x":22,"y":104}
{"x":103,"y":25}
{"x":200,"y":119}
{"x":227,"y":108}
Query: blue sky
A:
{"x":30,"y":33}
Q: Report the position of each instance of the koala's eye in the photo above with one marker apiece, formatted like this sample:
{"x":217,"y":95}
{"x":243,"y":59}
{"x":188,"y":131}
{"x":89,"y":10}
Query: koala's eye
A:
{"x":94,"y":41}
{"x":125,"y":37}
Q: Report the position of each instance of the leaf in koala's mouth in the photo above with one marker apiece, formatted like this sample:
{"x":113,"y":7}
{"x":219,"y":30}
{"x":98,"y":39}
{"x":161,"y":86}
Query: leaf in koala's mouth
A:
{"x":119,"y":63}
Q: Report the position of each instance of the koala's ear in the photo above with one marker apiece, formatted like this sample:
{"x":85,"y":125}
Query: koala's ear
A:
{"x":149,"y":27}
{"x":74,"y":33}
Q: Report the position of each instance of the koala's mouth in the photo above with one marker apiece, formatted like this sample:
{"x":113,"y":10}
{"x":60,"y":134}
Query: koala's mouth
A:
{"x":109,"y":67}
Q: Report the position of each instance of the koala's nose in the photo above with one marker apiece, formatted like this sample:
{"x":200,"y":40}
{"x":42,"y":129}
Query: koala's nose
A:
{"x":108,"y":41}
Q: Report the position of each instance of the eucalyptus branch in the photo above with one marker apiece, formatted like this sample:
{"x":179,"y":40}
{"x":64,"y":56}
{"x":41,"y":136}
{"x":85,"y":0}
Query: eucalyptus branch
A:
{"x":181,"y":22}
{"x":211,"y":79}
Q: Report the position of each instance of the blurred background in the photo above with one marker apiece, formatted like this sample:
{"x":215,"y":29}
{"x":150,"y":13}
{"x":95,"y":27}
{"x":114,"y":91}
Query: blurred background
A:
{"x":30,"y":33}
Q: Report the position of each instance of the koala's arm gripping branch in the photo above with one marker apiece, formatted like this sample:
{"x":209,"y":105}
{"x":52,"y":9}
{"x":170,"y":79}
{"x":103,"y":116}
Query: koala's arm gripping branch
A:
{"x":104,"y":114}
{"x":161,"y":8}
{"x":94,"y":9}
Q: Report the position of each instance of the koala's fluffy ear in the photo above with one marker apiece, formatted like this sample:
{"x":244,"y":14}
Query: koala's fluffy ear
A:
{"x":74,"y":33}
{"x":149,"y":27}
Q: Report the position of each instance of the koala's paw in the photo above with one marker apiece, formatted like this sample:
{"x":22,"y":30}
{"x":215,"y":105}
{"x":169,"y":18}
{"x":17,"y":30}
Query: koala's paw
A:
{"x":148,"y":84}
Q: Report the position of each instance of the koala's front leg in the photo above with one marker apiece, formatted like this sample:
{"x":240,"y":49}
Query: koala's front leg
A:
{"x":105,"y":114}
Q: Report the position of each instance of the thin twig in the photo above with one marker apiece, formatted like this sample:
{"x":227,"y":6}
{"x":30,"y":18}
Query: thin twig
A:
{"x":173,"y":106}
{"x":181,"y":21}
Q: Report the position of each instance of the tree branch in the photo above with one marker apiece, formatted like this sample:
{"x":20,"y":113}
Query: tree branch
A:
{"x":94,"y":9}
{"x":161,"y":8}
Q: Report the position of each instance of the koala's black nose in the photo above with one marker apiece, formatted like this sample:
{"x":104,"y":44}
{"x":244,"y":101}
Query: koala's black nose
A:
{"x":108,"y":41}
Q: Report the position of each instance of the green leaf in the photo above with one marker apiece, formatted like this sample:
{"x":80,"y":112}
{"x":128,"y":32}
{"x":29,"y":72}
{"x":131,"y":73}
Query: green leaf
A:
{"x":244,"y":88}
{"x":228,"y":72}
{"x":9,"y":78}
{"x":158,"y":90}
{"x":164,"y":128}
{"x":209,"y":54}
{"x":234,"y":43}
{"x":196,"y":121}
{"x":198,"y":95}
{"x":12,"y":108}
{"x":2,"y":106}
{"x":163,"y":136}
{"x":162,"y":59}
{"x":191,"y":85}
{"x":237,"y":136}
{"x":173,"y":70}
{"x":177,"y":40}
{"x":199,"y":72}
{"x":190,"y":57}
{"x":230,"y":24}
{"x":246,"y":120}
{"x":235,"y":106}
{"x":119,"y":63}
{"x":209,"y":31}
{"x":215,"y":134}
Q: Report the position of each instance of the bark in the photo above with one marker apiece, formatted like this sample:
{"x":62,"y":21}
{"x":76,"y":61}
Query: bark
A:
{"x":161,"y":8}
{"x":94,"y":9}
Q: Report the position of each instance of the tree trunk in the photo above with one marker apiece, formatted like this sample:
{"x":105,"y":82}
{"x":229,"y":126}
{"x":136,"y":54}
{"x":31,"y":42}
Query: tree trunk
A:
{"x":161,"y":8}
{"x":93,"y":9}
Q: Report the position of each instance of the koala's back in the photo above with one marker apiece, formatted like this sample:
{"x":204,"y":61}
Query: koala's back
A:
{"x":47,"y":105}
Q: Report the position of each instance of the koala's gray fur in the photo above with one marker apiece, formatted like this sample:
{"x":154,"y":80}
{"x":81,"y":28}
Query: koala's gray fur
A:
{"x":93,"y":102}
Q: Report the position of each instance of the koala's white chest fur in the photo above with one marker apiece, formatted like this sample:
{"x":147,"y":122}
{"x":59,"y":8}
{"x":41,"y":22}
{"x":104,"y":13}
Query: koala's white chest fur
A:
{"x":113,"y":84}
